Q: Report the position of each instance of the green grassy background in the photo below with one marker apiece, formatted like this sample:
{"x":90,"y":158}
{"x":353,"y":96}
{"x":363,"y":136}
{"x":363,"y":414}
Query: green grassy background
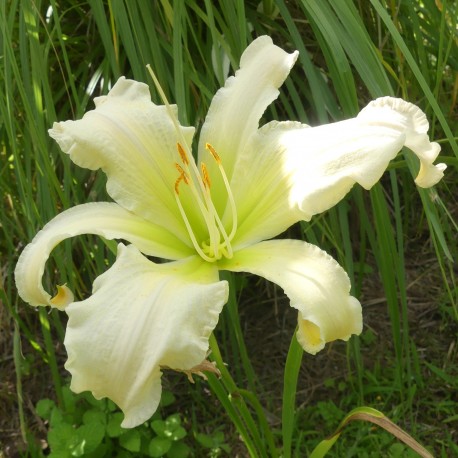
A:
{"x":397,"y":242}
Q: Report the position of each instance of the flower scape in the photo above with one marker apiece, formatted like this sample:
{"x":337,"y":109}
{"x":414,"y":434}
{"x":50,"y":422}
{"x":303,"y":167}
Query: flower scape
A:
{"x":219,"y":212}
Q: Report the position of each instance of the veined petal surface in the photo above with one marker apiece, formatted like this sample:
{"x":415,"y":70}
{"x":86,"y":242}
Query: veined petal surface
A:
{"x":236,"y":108}
{"x":140,"y":317}
{"x":134,"y":142}
{"x":326,"y":161}
{"x":262,"y":188}
{"x":315,"y":284}
{"x":108,"y":220}
{"x":289,"y":171}
{"x":409,"y":119}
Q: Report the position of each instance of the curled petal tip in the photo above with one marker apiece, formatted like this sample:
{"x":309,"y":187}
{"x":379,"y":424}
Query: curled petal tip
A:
{"x":309,"y":336}
{"x":315,"y":283}
{"x":412,"y":121}
{"x":430,"y":174}
{"x":313,"y":334}
{"x":63,"y":297}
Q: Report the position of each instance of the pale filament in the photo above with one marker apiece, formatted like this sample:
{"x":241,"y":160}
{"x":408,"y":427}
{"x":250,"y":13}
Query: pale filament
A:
{"x":225,"y":248}
{"x":227,"y":242}
{"x":190,"y":231}
{"x":228,"y":253}
{"x":208,"y":216}
{"x":212,"y":220}
{"x":230,"y":196}
{"x":204,"y":180}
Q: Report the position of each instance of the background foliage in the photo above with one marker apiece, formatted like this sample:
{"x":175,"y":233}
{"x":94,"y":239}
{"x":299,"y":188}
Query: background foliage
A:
{"x":397,"y":242}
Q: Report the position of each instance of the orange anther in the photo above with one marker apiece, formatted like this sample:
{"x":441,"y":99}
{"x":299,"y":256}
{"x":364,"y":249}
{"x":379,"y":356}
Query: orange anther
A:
{"x":205,"y":175}
{"x":177,"y":183}
{"x":179,"y":168}
{"x":183,"y":175}
{"x":213,"y":152}
{"x":182,"y":153}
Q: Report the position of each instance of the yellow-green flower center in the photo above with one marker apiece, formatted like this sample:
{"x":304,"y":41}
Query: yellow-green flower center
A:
{"x":218,"y":243}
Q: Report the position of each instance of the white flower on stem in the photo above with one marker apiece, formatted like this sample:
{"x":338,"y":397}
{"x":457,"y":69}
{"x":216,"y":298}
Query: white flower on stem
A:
{"x":248,"y":185}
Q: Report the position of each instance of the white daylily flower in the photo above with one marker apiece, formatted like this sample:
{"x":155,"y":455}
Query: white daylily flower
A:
{"x":249,"y":184}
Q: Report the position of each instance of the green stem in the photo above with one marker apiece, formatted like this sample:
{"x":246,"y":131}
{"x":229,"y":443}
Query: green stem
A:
{"x":292,"y":367}
{"x":236,"y":331}
{"x":268,"y":436}
{"x":229,"y":395}
{"x":52,"y":361}
{"x":218,"y":389}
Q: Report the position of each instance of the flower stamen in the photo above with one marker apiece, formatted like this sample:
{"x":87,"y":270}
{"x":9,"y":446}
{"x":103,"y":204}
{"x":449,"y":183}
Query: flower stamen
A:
{"x":182,"y":153}
{"x":183,"y":174}
{"x":188,"y":224}
{"x":205,"y":176}
{"x":203,"y":199}
{"x":230,"y":196}
{"x":215,"y":227}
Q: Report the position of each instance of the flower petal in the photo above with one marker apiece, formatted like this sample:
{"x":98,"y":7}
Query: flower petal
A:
{"x":142,"y":316}
{"x":289,"y":171}
{"x":315,"y":284}
{"x":106,"y":219}
{"x":261,"y":187}
{"x":326,"y":161}
{"x":134,"y":142}
{"x":236,"y":108}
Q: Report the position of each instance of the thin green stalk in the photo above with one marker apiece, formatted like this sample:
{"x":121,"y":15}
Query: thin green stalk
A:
{"x":416,"y":71}
{"x":402,"y":289}
{"x":318,"y":88}
{"x":249,"y":432}
{"x":263,"y":424}
{"x":218,"y":389}
{"x":50,"y":352}
{"x":178,"y":43}
{"x":291,"y":374}
{"x":235,"y":331}
{"x":353,"y":349}
{"x":17,"y":353}
{"x":385,"y":252}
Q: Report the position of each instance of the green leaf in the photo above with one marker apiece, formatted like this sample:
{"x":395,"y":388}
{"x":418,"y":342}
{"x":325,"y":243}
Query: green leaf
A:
{"x":131,"y":440}
{"x":215,"y":441}
{"x":94,"y":416}
{"x":178,"y":434}
{"x":57,"y":417}
{"x":159,"y":446}
{"x":44,"y":408}
{"x":167,"y":398}
{"x":114,"y":425}
{"x":60,"y":454}
{"x":97,"y":403}
{"x":62,"y":437}
{"x":69,"y":398}
{"x":159,"y":427}
{"x":90,"y":436}
{"x":178,"y":450}
{"x":372,"y":416}
{"x":206,"y":441}
{"x":173,"y":421}
{"x":111,"y":406}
